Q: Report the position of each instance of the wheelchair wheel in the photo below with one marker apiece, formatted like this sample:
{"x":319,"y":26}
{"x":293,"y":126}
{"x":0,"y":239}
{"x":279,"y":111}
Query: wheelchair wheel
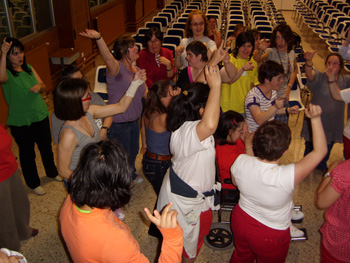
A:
{"x":220,"y":237}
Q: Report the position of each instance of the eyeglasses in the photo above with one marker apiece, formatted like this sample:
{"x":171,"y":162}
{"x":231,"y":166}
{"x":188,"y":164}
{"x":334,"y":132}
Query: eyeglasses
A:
{"x":197,"y":24}
{"x":87,"y":98}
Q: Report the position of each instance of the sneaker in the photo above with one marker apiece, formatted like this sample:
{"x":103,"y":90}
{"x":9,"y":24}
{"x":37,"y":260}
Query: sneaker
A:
{"x":295,"y":232}
{"x":119,"y":213}
{"x":39,"y":190}
{"x":138,"y":179}
{"x":58,"y":178}
{"x":297,"y":215}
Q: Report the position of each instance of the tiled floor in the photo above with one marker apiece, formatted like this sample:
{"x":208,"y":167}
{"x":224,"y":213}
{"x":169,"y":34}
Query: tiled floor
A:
{"x":49,"y":247}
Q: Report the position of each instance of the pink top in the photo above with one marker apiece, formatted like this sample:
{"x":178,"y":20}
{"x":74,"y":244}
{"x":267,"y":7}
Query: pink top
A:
{"x":336,"y":229}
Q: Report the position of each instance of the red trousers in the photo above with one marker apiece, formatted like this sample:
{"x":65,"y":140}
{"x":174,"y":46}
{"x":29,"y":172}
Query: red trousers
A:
{"x":255,"y":241}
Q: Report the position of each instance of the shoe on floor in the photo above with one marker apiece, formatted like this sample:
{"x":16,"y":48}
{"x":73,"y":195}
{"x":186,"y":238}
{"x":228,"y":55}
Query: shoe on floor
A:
{"x":295,"y":232}
{"x":138,"y":179}
{"x":34,"y":232}
{"x":297,"y":215}
{"x":58,"y":178}
{"x":39,"y":190}
{"x":119,"y":213}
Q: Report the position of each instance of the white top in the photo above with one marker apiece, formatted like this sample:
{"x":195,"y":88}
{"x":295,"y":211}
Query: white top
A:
{"x":256,"y":97}
{"x":345,"y":95}
{"x":266,"y":190}
{"x":185,"y":41}
{"x":344,"y":52}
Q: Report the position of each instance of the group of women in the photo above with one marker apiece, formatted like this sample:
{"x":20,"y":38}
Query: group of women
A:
{"x":177,"y":128}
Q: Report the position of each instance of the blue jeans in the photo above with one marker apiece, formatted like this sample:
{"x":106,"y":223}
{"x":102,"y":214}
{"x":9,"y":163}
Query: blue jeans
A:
{"x":155,"y":170}
{"x":323,"y":164}
{"x":127,"y":133}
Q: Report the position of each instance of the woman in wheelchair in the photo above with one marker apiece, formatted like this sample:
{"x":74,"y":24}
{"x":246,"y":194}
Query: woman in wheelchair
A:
{"x":232,"y":139}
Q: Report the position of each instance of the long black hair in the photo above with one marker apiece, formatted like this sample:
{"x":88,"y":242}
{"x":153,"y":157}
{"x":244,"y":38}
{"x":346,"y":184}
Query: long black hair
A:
{"x":186,"y":106}
{"x":230,"y":120}
{"x":16,"y":44}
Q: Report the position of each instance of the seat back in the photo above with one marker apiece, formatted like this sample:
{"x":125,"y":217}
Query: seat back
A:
{"x":101,"y":83}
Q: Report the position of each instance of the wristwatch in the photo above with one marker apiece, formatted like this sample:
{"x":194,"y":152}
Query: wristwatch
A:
{"x":104,"y":127}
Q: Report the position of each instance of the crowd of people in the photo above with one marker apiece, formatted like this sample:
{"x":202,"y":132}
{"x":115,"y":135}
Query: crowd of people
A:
{"x":203,"y":106}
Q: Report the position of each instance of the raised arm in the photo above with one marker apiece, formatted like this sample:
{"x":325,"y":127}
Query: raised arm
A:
{"x":178,"y":52}
{"x":307,"y":164}
{"x":111,"y":63}
{"x":247,"y":67}
{"x":333,"y":83}
{"x":210,"y":118}
{"x":309,"y":71}
{"x":5,"y":47}
{"x":261,"y":55}
{"x":124,"y":102}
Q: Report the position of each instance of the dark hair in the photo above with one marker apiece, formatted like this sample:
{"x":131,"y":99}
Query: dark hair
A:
{"x":198,"y":48}
{"x":271,"y":140}
{"x":121,"y":47}
{"x":286,"y":33}
{"x":255,"y":33}
{"x":236,"y":28}
{"x":153,"y":31}
{"x":103,"y":176}
{"x":16,"y":44}
{"x":67,"y":99}
{"x":229,"y":120}
{"x":68,"y":71}
{"x":188,"y":30}
{"x":158,"y":90}
{"x":341,"y":60}
{"x":212,"y":16}
{"x":243,"y":38}
{"x":268,"y":70}
{"x":186,"y":106}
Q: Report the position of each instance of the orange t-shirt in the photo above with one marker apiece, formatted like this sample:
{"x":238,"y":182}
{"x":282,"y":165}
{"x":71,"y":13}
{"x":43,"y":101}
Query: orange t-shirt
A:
{"x":99,"y":236}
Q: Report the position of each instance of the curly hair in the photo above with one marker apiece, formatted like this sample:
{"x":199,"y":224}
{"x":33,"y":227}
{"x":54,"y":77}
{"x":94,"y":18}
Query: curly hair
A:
{"x":188,"y":29}
{"x":103,"y":176}
{"x":286,"y":33}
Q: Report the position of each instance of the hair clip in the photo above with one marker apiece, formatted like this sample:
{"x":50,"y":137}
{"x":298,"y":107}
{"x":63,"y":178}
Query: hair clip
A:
{"x":185,"y":92}
{"x":233,"y":122}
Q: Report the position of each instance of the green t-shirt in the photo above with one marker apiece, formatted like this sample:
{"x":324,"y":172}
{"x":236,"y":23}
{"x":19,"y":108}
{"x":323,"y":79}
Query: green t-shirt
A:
{"x":233,"y":96}
{"x":25,"y":107}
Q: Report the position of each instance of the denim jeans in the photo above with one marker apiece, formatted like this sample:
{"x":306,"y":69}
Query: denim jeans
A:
{"x":127,"y":133}
{"x":155,"y":170}
{"x":323,"y":164}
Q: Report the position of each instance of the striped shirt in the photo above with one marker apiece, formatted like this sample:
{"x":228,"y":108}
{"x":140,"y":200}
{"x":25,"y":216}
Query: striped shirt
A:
{"x":257,"y":97}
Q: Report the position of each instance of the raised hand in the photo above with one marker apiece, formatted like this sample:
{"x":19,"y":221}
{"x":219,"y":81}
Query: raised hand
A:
{"x":164,"y":61}
{"x":314,"y":111}
{"x":332,"y":73}
{"x":5,"y":47}
{"x":140,"y":75}
{"x":213,"y":77}
{"x":309,"y":55}
{"x":90,"y":33}
{"x":166,"y":220}
{"x":218,"y":55}
{"x":279,"y":103}
{"x":179,"y":50}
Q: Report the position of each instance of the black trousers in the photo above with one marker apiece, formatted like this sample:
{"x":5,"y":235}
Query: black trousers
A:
{"x":26,"y":137}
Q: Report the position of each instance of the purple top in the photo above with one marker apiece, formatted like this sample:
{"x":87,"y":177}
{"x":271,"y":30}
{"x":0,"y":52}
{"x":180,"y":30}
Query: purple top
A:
{"x":117,"y":86}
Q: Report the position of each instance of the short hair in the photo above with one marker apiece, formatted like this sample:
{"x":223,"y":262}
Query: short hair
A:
{"x":121,"y":47}
{"x":68,"y":71}
{"x":153,"y":31}
{"x":237,"y":28}
{"x":268,"y":70}
{"x":158,"y":90}
{"x":198,"y":48}
{"x":242,"y":38}
{"x":16,"y":44}
{"x":286,"y":33}
{"x":271,"y":140}
{"x":67,"y":99}
{"x":186,"y":106}
{"x":212,"y":16}
{"x":188,"y":30}
{"x":229,"y":120}
{"x":103,"y":176}
{"x":341,"y":60}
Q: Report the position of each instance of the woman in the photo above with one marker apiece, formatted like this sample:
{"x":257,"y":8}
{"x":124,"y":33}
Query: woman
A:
{"x":197,"y":58}
{"x":196,"y":29}
{"x":92,"y":232}
{"x":190,"y":182}
{"x":334,"y":195}
{"x":74,"y":72}
{"x":233,"y":139}
{"x":333,"y":114}
{"x":233,"y":94}
{"x":120,"y":73}
{"x":156,"y":60}
{"x":213,"y":34}
{"x":28,"y":114}
{"x":281,"y":51}
{"x":231,"y":40}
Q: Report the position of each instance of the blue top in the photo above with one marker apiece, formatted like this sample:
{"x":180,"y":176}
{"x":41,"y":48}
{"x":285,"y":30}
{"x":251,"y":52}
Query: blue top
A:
{"x":157,"y":143}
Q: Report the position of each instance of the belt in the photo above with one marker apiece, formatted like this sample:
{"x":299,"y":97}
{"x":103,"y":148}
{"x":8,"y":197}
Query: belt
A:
{"x":158,"y":156}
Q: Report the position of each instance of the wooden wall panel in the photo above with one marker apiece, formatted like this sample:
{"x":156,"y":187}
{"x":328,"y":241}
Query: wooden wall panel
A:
{"x":150,"y":6}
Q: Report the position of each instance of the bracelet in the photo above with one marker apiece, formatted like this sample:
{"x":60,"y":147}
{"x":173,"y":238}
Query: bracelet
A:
{"x":169,"y":69}
{"x":99,"y":37}
{"x":104,"y":127}
{"x":331,"y":81}
{"x":308,"y":65}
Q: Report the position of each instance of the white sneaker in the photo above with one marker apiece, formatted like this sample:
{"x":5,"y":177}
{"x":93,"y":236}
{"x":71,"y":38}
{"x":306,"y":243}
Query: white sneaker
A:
{"x":297,"y":215}
{"x":39,"y":190}
{"x":295,"y":232}
{"x":58,"y":178}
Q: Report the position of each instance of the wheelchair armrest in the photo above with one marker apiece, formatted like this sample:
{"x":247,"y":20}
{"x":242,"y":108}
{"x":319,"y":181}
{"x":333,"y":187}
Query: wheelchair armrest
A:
{"x":227,"y":181}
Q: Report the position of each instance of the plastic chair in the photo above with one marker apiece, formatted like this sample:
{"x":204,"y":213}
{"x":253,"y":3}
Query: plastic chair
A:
{"x":101,"y":83}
